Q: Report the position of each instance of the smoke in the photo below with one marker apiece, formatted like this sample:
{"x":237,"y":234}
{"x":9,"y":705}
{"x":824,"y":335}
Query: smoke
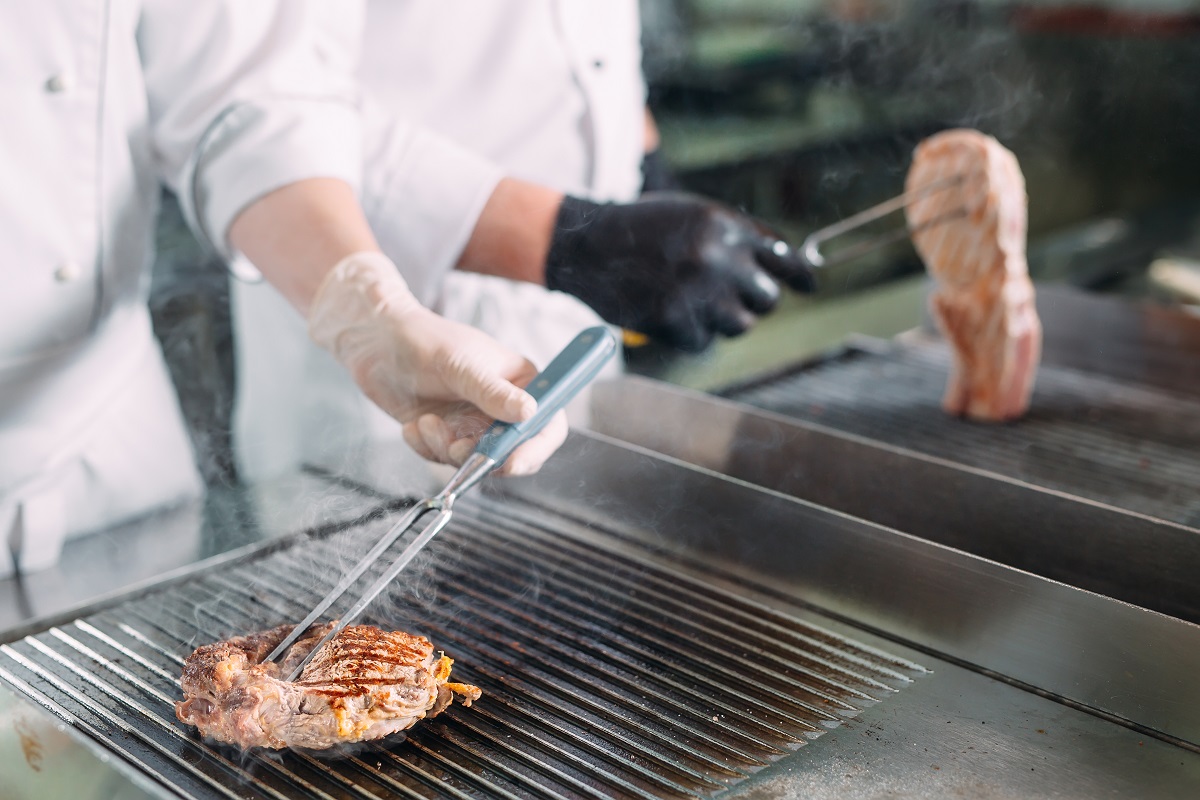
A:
{"x":948,"y":63}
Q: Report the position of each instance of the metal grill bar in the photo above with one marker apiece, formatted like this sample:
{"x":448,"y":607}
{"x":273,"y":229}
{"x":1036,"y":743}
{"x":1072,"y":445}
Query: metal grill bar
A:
{"x":603,"y":674}
{"x":113,"y":690}
{"x":626,"y":594}
{"x":611,"y":687}
{"x":213,"y":633}
{"x":588,"y":654}
{"x":108,"y":721}
{"x":766,"y":628}
{"x":1132,"y":447}
{"x":532,"y":685}
{"x":705,"y":671}
{"x":496,"y":740}
{"x":518,"y":708}
{"x":617,"y":641}
{"x":251,"y":622}
{"x":96,"y":732}
{"x":459,"y":577}
{"x":395,"y":787}
{"x":576,"y":647}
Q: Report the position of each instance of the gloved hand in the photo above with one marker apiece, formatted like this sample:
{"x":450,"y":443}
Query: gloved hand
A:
{"x":674,"y":266}
{"x":445,"y":381}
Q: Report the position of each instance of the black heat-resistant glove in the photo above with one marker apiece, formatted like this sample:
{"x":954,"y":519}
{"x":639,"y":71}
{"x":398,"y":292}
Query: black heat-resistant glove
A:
{"x":674,"y":266}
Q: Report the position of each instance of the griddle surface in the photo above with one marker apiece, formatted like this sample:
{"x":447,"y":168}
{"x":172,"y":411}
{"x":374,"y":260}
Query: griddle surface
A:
{"x":1085,"y":435}
{"x":605,"y":672}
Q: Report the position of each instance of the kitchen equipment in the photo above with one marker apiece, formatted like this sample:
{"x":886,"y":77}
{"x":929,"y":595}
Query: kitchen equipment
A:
{"x":1114,"y":418}
{"x":1095,"y":487}
{"x":645,"y":629}
{"x":554,"y":387}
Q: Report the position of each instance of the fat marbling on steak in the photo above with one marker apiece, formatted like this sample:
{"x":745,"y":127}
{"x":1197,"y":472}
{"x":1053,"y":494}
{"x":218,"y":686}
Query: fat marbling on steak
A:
{"x":366,"y":683}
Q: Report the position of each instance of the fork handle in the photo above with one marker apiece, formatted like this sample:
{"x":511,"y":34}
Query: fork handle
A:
{"x":554,"y":387}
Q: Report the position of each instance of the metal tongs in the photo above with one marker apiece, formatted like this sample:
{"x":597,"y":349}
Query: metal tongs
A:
{"x":811,"y":248}
{"x":553,"y":388}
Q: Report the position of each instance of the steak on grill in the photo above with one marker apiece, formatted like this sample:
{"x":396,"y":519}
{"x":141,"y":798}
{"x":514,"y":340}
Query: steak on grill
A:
{"x":984,"y":299}
{"x":365,"y":683}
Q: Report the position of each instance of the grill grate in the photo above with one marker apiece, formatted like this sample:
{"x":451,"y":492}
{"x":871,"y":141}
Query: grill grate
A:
{"x":604,"y":673}
{"x":1131,"y":447}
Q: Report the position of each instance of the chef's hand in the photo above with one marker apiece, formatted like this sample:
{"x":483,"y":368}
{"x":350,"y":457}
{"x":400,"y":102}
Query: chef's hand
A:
{"x":671,"y":265}
{"x":443,"y":380}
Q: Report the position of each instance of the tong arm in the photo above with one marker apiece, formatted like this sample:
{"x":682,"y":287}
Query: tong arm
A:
{"x":811,"y":247}
{"x":554,"y":387}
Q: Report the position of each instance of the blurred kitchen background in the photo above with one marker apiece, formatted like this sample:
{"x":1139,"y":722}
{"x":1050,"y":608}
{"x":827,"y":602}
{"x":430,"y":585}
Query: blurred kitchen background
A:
{"x":806,"y":111}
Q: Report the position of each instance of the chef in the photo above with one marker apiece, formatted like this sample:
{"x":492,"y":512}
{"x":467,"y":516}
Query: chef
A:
{"x":232,"y":106}
{"x":508,"y":147}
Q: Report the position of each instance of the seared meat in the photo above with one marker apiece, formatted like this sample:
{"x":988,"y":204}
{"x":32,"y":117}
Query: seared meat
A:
{"x":984,"y":300}
{"x":365,"y":684}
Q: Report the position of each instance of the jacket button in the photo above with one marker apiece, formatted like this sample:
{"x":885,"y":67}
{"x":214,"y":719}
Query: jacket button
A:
{"x":67,"y":271}
{"x":61,"y":82}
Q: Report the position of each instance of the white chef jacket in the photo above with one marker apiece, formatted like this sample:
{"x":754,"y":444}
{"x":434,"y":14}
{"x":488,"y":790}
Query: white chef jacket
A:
{"x":550,"y":92}
{"x":223,"y":100}
{"x":459,"y":94}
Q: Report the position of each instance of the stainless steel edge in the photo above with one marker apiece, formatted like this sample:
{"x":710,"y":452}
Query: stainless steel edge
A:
{"x":95,"y":571}
{"x":1128,"y":556}
{"x":1093,"y":651}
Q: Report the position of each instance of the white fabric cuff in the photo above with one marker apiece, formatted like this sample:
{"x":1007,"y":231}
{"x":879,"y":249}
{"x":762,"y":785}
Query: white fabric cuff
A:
{"x":252,"y":150}
{"x":423,"y":195}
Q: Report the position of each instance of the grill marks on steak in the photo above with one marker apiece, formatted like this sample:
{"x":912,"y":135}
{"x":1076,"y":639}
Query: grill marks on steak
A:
{"x":364,"y":684}
{"x":984,"y":302}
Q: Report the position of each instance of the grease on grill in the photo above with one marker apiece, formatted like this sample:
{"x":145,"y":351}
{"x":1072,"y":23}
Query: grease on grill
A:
{"x":603,"y":674}
{"x":31,"y":745}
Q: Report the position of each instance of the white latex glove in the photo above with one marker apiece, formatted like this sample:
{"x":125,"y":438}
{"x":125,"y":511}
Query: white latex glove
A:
{"x":444,"y":381}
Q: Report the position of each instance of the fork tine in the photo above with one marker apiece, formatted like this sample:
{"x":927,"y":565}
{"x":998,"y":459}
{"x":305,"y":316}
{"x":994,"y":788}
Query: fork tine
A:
{"x":812,"y":244}
{"x":402,"y":526}
{"x":882,"y":240}
{"x":410,"y":551}
{"x":555,"y":386}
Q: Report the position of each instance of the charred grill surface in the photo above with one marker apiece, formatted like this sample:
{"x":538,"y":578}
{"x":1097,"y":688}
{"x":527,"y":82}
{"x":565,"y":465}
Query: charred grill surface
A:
{"x":605,"y":671}
{"x":1132,"y":447}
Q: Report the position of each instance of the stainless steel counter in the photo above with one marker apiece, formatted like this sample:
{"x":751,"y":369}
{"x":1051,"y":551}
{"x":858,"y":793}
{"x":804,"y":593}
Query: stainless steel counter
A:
{"x":962,"y":734}
{"x":172,"y":541}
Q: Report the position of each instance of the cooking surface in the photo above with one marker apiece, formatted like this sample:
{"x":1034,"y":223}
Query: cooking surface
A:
{"x":601,"y":672}
{"x":641,"y":628}
{"x":1132,"y":447}
{"x":1095,"y":488}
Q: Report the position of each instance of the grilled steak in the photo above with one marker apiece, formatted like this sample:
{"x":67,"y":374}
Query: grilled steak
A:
{"x":984,"y":299}
{"x":364,"y":684}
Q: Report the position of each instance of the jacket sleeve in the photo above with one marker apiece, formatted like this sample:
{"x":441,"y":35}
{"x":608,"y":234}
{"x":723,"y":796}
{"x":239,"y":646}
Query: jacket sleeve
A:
{"x":423,"y":195}
{"x":248,"y":97}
